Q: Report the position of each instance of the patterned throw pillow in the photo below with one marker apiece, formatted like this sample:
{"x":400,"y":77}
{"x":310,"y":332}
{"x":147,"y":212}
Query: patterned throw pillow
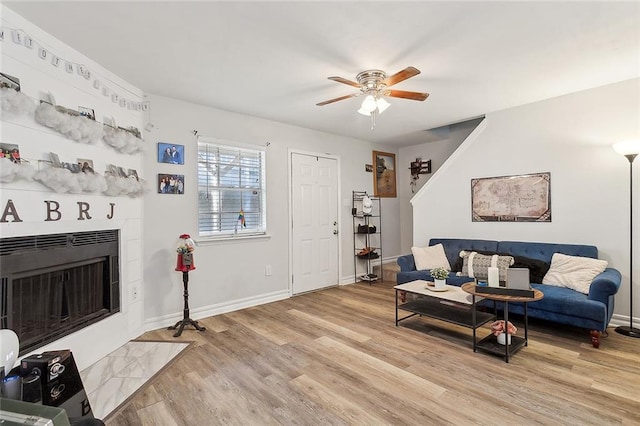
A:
{"x":477,"y":265}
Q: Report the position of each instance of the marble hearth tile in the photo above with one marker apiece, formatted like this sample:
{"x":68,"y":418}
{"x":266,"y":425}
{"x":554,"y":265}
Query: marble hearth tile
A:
{"x":97,"y":374}
{"x":111,"y":394}
{"x":136,"y":349}
{"x":149,"y":365}
{"x":114,"y":378}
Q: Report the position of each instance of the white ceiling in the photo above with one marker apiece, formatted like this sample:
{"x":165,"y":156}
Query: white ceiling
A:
{"x":272,"y":59}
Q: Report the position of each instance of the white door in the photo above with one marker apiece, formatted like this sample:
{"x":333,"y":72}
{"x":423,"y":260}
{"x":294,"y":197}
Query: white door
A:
{"x":315,"y":222}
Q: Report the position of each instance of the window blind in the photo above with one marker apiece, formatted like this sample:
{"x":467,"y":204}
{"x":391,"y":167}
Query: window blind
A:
{"x":231,"y":193}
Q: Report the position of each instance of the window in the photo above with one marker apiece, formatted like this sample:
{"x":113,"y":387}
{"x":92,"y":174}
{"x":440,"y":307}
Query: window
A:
{"x":231,"y":190}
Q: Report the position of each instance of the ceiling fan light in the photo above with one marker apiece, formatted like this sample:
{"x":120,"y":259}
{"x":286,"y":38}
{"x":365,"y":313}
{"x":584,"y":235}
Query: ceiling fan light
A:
{"x":382,"y":105}
{"x":369,"y":104}
{"x":364,"y":112}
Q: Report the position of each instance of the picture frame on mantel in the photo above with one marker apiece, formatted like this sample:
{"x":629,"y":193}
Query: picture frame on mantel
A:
{"x":384,"y":176}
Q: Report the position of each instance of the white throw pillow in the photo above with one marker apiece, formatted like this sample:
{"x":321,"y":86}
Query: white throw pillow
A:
{"x":574,"y":272}
{"x":430,"y":257}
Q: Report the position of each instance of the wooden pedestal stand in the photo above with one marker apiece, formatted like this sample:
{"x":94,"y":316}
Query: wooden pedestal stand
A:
{"x":186,"y":320}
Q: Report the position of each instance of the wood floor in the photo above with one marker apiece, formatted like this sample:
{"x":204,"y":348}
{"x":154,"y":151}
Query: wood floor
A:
{"x":335,"y":357}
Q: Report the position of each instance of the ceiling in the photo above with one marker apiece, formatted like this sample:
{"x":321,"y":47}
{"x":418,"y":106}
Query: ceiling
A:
{"x":272,"y":59}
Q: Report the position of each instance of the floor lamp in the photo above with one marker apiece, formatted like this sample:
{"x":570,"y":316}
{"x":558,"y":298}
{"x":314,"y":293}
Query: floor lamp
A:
{"x":629,"y":149}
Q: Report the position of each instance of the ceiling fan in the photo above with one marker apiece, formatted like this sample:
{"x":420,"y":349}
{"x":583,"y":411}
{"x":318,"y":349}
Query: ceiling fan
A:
{"x":375,"y":85}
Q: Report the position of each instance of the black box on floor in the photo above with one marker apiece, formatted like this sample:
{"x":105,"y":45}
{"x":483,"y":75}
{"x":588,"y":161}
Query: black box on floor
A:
{"x":46,"y":366}
{"x":59,"y":376}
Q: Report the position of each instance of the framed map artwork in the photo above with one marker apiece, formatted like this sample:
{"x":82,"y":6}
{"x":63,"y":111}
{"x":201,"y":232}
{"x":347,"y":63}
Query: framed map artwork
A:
{"x":521,"y":198}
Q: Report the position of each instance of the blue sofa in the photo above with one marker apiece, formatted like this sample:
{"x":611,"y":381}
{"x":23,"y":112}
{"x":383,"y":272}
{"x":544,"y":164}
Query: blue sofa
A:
{"x":562,"y":305}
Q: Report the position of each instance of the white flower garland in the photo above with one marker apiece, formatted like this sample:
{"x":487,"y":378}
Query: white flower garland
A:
{"x":63,"y":181}
{"x":16,"y":103}
{"x":77,"y":128}
{"x":122,"y":140}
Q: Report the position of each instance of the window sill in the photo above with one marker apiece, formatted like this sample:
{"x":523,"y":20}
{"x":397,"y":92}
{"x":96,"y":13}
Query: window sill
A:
{"x":204,"y":241}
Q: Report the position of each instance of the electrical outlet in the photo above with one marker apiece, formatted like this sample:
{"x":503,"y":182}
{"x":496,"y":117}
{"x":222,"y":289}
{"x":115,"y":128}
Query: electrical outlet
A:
{"x":267,"y":271}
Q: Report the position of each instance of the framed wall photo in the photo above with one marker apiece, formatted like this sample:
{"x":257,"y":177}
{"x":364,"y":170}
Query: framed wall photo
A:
{"x":170,"y":153}
{"x":10,"y":151}
{"x":9,"y":81}
{"x":520,"y":198}
{"x":86,"y":165}
{"x":384,"y":176}
{"x":170,"y":184}
{"x":87,"y":112}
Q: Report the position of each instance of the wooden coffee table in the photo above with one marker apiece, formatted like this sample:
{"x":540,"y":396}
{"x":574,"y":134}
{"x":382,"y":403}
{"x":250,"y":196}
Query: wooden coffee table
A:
{"x":453,"y":305}
{"x":490,"y":343}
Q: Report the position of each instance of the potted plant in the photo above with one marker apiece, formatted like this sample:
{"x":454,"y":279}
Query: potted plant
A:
{"x":439,"y":275}
{"x":498,"y":329}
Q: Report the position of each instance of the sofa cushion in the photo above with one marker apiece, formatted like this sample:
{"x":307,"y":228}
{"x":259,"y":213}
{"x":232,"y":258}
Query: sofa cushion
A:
{"x":477,"y":265}
{"x":561,"y":305}
{"x":564,"y":301}
{"x":430,"y":257}
{"x":545,"y":251}
{"x":574,"y":272}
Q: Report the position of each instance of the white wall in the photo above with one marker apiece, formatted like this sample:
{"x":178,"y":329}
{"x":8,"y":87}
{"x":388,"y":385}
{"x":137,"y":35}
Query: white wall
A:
{"x":443,"y":142}
{"x":231,"y":275}
{"x":569,"y":136}
{"x":36,"y":141}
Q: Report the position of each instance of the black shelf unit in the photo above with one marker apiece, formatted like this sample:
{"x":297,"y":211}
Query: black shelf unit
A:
{"x":367,"y":237}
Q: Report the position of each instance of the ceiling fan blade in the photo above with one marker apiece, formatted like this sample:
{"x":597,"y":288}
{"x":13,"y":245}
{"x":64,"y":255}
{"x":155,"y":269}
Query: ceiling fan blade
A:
{"x":401,"y":76}
{"x":414,"y":96}
{"x":345,"y":81}
{"x":341,"y":98}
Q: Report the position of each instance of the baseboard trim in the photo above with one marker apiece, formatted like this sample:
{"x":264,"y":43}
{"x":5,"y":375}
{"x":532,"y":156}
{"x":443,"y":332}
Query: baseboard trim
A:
{"x":217,"y":309}
{"x":347,"y":280}
{"x":391,"y":259}
{"x":618,"y":320}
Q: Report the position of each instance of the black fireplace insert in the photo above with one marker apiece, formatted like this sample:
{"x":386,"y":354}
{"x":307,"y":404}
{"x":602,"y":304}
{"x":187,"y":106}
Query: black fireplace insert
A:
{"x":53,"y":285}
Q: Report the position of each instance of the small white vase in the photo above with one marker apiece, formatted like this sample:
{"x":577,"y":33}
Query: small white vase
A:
{"x":440,"y":283}
{"x":501,"y":338}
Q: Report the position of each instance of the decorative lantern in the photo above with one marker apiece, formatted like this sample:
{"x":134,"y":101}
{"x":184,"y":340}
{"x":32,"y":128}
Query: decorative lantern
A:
{"x":186,"y":246}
